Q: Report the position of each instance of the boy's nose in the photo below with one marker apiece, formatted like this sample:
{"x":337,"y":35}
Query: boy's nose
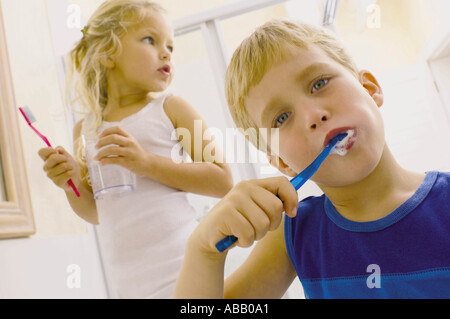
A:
{"x":316,"y":117}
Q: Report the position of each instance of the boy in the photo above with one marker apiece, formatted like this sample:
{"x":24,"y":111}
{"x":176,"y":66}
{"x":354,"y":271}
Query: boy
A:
{"x":379,"y":231}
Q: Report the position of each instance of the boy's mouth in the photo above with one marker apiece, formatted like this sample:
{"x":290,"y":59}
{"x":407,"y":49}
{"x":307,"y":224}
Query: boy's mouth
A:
{"x":335,"y":132}
{"x":346,"y":144}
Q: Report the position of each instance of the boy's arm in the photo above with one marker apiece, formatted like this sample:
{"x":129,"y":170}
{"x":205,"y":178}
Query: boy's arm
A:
{"x":201,"y":275}
{"x":267,"y":272}
{"x":248,"y":211}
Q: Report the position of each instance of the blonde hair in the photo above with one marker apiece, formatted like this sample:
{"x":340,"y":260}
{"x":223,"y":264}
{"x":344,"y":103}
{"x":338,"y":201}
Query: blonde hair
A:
{"x":101,"y":39}
{"x":264,"y":48}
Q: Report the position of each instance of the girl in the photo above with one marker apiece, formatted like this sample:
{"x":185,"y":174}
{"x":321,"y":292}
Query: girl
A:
{"x":124,"y":57}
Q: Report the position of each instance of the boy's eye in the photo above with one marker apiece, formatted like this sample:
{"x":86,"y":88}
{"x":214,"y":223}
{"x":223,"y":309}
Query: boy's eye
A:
{"x":149,"y":40}
{"x":170,"y":48}
{"x":319,"y":84}
{"x":281,"y":119}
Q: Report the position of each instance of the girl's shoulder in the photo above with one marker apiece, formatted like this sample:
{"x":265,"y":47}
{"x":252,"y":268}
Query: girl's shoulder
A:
{"x":174,"y":102}
{"x":179,"y":110}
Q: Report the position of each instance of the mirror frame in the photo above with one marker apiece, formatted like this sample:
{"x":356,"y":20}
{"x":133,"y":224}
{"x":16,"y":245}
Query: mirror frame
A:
{"x":16,"y":216}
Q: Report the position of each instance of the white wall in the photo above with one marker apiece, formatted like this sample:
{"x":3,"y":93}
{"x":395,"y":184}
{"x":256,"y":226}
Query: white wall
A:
{"x":53,"y":267}
{"x":415,"y":119}
{"x":441,"y":72}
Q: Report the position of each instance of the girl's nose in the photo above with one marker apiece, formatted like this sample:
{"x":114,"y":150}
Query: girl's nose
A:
{"x":165,"y":54}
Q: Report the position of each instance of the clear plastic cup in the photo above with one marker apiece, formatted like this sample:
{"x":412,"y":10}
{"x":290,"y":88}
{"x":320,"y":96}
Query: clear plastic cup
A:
{"x":108,"y":181}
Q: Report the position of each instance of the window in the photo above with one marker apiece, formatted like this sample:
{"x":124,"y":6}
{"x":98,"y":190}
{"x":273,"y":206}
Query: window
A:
{"x":16,"y":218}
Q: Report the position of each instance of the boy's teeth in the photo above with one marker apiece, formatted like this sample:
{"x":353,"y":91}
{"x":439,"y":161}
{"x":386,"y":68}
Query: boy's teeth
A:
{"x":340,"y":148}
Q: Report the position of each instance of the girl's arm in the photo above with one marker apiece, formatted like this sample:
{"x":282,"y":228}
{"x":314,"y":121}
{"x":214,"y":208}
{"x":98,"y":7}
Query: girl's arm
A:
{"x":85,"y":205}
{"x":61,"y":167}
{"x":208,"y":174}
{"x":207,"y":179}
{"x":205,"y":176}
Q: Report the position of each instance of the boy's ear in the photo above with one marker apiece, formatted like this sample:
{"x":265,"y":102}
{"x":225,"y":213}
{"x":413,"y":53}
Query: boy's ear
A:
{"x":278,"y":163}
{"x":370,"y":83}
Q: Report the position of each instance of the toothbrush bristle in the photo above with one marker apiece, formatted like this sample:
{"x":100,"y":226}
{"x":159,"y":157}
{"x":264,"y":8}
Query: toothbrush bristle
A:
{"x":340,"y":137}
{"x":26,"y":112}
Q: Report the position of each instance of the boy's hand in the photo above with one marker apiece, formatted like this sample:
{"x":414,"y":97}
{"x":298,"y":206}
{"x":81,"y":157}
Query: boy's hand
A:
{"x":248,"y":211}
{"x":60,"y":167}
{"x":121,"y":149}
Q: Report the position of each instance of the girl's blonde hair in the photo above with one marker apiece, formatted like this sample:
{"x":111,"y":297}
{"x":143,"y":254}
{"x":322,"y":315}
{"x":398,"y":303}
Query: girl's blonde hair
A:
{"x":266,"y":47}
{"x":101,"y":40}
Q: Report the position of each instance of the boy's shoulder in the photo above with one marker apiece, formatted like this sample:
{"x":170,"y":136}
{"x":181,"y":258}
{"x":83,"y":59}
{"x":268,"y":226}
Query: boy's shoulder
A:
{"x":311,"y":202}
{"x":443,"y":178}
{"x":440,"y":184}
{"x":310,"y":209}
{"x":440,"y":191}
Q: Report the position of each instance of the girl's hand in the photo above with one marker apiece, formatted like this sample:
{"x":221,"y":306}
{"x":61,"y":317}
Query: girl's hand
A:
{"x":248,"y":211}
{"x":120,"y":148}
{"x":60,"y":167}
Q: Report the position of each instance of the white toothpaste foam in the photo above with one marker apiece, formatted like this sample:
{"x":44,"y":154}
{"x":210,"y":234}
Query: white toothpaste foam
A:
{"x":341,"y":147}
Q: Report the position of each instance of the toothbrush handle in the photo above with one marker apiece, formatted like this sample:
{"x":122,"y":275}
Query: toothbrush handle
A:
{"x":41,"y":136}
{"x":226,"y":243}
{"x":71,"y":184}
{"x":297,"y":182}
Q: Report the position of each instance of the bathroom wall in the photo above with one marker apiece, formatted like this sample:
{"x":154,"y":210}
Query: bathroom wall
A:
{"x":396,"y":50}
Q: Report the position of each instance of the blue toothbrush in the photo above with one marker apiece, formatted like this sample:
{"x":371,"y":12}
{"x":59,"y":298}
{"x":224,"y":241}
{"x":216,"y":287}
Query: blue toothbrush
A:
{"x":297,"y":182}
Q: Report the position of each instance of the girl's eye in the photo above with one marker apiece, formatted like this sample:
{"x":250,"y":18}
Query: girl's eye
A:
{"x":319,"y":84}
{"x":170,"y":48}
{"x":149,"y":40}
{"x":281,"y":119}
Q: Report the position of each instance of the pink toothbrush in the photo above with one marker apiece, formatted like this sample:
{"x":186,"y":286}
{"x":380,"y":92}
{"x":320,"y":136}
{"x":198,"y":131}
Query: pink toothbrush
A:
{"x":29,"y":117}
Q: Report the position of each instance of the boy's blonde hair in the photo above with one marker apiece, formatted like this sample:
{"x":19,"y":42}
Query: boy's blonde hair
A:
{"x":266,"y":47}
{"x":101,"y":40}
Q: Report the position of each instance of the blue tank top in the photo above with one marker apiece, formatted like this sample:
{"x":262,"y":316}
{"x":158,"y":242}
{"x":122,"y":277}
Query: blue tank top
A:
{"x":405,"y":254}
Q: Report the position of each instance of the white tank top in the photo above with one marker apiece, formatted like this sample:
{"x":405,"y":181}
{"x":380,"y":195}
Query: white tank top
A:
{"x":143,"y":235}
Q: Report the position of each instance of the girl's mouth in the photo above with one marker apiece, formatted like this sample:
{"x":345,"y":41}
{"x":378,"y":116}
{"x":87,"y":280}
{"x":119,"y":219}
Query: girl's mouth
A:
{"x":165,"y":70}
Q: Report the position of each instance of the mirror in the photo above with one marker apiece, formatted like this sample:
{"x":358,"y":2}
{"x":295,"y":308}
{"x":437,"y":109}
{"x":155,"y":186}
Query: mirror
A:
{"x":3,"y":195}
{"x":16,"y":218}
